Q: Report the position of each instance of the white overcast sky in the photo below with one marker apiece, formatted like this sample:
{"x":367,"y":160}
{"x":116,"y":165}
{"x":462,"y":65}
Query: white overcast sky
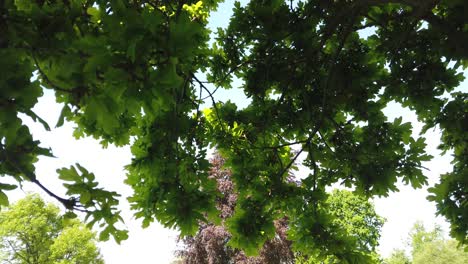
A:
{"x":156,"y":244}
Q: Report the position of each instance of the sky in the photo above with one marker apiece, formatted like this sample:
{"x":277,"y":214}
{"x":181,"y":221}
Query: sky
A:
{"x":157,"y":244}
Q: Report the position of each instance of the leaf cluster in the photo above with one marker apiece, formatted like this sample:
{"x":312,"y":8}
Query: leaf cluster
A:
{"x":353,"y":215}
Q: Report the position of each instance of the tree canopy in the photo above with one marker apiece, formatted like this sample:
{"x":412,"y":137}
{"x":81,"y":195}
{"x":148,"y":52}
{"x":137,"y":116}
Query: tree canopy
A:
{"x":33,"y":232}
{"x":429,"y":247}
{"x":353,"y":215}
{"x":133,"y":73}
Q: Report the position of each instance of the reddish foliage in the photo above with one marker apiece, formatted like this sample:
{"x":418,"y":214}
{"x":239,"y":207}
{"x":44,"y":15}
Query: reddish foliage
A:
{"x":209,"y":245}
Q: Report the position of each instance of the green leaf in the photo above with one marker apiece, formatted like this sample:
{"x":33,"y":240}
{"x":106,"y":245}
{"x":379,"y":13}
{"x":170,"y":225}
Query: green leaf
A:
{"x":37,"y":118}
{"x":70,"y":215}
{"x":85,"y":197}
{"x":94,"y":13}
{"x":24,"y":5}
{"x":7,"y":187}
{"x":68,"y":174}
{"x":45,"y":152}
{"x":66,"y":112}
{"x":3,"y":199}
{"x":131,"y":50}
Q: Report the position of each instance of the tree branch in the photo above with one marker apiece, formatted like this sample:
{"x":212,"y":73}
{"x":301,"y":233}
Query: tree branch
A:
{"x":46,"y":79}
{"x":212,"y":99}
{"x":70,"y":203}
{"x":16,"y":252}
{"x":325,"y":142}
{"x":224,"y":77}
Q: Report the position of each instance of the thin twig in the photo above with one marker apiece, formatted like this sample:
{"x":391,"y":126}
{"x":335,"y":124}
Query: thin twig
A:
{"x":224,"y":77}
{"x":70,"y":203}
{"x":44,"y":76}
{"x":15,"y":251}
{"x":291,"y":162}
{"x":212,"y":100}
{"x":315,"y":168}
{"x":325,"y":141}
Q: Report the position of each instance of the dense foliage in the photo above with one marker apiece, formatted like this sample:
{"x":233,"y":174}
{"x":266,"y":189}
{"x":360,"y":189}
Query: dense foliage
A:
{"x":354,"y":215}
{"x":398,"y":256}
{"x":33,"y":232}
{"x":128,"y":72}
{"x":429,"y":247}
{"x":210,"y":244}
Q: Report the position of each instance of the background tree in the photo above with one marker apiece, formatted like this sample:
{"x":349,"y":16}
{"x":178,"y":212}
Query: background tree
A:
{"x":398,"y":257}
{"x":354,"y":215}
{"x":429,"y":247}
{"x":33,"y":232}
{"x":127,"y":73}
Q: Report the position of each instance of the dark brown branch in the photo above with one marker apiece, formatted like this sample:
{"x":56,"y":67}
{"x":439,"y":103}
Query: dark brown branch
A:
{"x":70,"y":203}
{"x":314,"y":163}
{"x":307,"y":142}
{"x":291,"y":162}
{"x":212,"y":99}
{"x":275,"y":151}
